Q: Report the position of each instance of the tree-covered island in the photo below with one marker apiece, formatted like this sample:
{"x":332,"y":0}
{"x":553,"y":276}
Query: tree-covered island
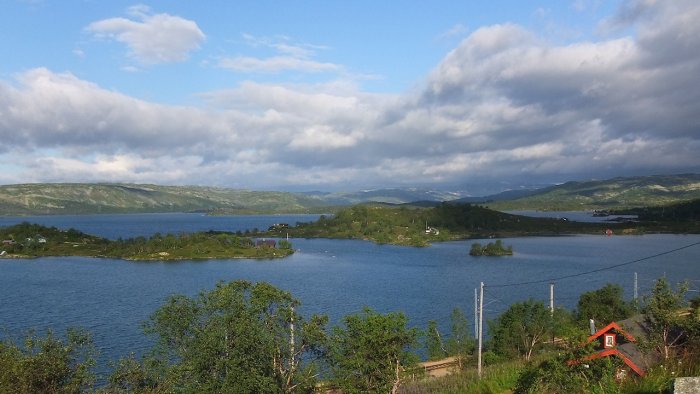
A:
{"x":491,"y":249}
{"x":26,"y":240}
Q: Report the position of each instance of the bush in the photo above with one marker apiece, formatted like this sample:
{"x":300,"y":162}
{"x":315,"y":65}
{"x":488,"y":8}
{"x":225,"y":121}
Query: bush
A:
{"x":48,"y":364}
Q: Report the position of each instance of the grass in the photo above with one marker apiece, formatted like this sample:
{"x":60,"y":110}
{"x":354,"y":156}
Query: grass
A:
{"x":498,"y":378}
{"x":502,"y":378}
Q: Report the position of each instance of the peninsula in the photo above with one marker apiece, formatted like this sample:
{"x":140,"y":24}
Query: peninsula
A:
{"x":413,"y":225}
{"x":26,"y":240}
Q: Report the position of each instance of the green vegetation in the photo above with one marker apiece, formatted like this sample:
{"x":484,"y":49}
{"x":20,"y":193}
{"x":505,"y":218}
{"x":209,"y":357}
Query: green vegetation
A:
{"x":238,"y":338}
{"x":48,"y":364}
{"x":421,"y":226}
{"x":491,"y":249}
{"x":617,"y":193}
{"x":242,"y":337}
{"x":459,"y":344}
{"x":604,"y":305}
{"x":668,"y":329}
{"x":524,"y":327}
{"x":369,"y":353}
{"x":688,"y":211}
{"x":434,"y":344}
{"x":33,"y":240}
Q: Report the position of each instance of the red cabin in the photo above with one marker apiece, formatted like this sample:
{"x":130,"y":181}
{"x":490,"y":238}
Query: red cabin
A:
{"x":612,"y":340}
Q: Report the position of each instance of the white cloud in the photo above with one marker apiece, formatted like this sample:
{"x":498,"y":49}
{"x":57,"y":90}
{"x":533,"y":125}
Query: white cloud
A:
{"x":290,"y":56}
{"x":504,"y":105}
{"x":151,"y":38}
{"x":275,"y":64}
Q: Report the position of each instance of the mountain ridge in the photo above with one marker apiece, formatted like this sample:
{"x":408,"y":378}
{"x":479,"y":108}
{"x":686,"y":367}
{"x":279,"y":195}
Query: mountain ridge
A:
{"x":95,"y":198}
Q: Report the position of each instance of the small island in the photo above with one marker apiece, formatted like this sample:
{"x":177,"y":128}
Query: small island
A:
{"x":27,"y":240}
{"x":491,"y":249}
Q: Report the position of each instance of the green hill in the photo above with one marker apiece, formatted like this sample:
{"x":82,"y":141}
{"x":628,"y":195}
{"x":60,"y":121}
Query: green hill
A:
{"x":90,"y":198}
{"x":617,"y":193}
{"x":84,"y":198}
{"x":422,"y":226}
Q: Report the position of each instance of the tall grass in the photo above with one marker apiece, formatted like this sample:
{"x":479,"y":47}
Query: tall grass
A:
{"x":499,"y":378}
{"x":502,"y":378}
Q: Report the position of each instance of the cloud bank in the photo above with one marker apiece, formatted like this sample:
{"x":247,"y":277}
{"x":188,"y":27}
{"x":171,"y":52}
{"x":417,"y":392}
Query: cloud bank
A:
{"x":504,"y":105}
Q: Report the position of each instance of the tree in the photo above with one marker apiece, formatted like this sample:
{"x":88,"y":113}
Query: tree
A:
{"x":433,"y":342}
{"x":370,"y":352}
{"x":48,"y":364}
{"x":604,"y":305}
{"x":239,"y":337}
{"x":461,"y":343}
{"x":476,"y":250}
{"x":667,"y":327}
{"x":146,"y":377}
{"x":521,"y":328}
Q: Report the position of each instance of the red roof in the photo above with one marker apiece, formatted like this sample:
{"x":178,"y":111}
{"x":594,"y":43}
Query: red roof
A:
{"x":608,"y":353}
{"x":608,"y":328}
{"x":612,"y":351}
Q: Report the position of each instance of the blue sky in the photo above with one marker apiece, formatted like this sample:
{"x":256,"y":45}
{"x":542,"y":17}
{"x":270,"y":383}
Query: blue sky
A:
{"x":325,"y":95}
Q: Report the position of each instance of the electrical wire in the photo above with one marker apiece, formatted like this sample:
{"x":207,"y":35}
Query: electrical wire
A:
{"x":593,"y":271}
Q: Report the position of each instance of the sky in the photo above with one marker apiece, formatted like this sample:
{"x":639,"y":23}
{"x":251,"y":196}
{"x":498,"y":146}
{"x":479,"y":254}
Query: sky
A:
{"x":348,"y":95}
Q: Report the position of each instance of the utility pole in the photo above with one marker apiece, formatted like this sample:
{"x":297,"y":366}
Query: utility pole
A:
{"x":476,"y":314}
{"x":481,"y":322}
{"x":291,"y":340}
{"x":551,"y":298}
{"x":551,"y":305}
{"x":635,"y":286}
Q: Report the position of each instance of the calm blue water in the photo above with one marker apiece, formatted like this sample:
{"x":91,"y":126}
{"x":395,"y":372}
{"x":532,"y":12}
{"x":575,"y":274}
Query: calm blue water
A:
{"x":336,"y":277}
{"x":147,"y":224}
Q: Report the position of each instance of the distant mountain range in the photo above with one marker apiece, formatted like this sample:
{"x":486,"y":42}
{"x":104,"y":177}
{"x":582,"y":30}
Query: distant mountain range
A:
{"x":616,"y":193}
{"x":89,"y":198}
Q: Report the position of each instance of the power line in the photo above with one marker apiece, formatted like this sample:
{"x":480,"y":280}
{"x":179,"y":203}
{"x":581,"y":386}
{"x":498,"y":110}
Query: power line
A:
{"x":595,"y":270}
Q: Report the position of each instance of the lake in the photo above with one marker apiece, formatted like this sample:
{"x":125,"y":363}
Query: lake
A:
{"x":111,"y":298}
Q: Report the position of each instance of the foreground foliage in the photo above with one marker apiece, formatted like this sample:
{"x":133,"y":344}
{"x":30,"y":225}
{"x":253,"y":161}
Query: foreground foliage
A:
{"x":242,"y":337}
{"x":47,"y":364}
{"x":604,"y":306}
{"x":370,"y":352}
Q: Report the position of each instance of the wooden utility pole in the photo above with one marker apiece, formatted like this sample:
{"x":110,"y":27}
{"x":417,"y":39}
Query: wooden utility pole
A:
{"x":481,"y":322}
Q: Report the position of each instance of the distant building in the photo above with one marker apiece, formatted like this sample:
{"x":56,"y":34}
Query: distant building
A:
{"x":265,"y":243}
{"x":278,"y":226}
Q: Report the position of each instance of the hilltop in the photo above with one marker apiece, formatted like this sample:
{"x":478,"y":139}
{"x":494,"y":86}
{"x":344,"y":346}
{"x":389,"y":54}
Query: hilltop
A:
{"x":616,"y":193}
